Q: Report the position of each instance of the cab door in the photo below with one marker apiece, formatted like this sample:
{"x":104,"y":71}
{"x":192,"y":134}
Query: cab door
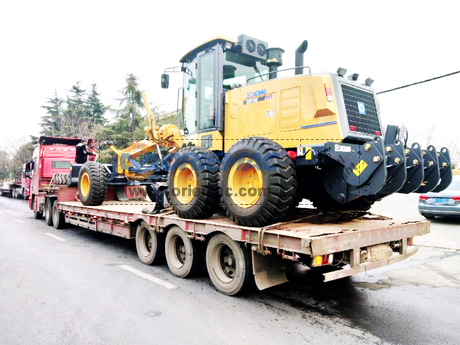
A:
{"x":208,"y":91}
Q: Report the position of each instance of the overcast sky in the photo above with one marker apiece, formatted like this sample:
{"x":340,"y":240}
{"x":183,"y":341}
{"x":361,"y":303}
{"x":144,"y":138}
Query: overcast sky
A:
{"x":49,"y":45}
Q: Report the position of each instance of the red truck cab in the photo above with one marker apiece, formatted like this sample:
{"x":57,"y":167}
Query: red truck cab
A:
{"x":51,"y":155}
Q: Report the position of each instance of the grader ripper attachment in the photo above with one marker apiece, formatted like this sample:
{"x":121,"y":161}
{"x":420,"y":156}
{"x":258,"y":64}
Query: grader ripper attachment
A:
{"x":256,"y":141}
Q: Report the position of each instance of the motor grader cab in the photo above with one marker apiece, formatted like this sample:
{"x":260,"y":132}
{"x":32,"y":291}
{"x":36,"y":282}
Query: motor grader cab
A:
{"x":257,"y":140}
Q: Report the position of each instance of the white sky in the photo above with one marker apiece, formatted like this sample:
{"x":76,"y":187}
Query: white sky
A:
{"x":48,"y":45}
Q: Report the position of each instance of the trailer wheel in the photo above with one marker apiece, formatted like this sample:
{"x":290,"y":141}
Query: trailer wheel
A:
{"x":150,"y":245}
{"x":92,"y":184}
{"x":184,"y":257}
{"x":58,"y":216}
{"x":193,"y":183}
{"x":48,"y":212}
{"x":258,"y":182}
{"x":229,"y":265}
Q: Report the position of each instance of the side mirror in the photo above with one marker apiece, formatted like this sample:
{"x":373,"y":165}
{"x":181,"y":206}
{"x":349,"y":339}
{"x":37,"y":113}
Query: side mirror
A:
{"x":164,"y":81}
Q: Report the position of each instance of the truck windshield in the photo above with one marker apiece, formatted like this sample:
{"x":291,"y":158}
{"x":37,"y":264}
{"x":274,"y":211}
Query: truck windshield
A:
{"x":238,"y":69}
{"x":60,"y":165}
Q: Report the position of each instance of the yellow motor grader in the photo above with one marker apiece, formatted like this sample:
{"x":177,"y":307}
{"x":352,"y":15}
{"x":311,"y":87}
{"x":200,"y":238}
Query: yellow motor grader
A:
{"x":256,"y":139}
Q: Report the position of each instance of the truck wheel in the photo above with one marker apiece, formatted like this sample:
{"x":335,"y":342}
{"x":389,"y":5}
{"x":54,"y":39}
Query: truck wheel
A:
{"x":37,"y":215}
{"x":92,"y":184}
{"x":193,"y":183}
{"x":184,"y":257}
{"x":258,"y":182}
{"x":48,"y":212}
{"x":58,"y":216}
{"x":150,"y":245}
{"x":229,"y":265}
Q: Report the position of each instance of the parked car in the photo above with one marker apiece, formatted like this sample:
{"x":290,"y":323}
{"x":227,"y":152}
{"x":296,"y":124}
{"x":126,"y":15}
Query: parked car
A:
{"x":445,"y":203}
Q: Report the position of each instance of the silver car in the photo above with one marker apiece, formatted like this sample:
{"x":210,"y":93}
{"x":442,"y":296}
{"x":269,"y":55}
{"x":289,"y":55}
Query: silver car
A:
{"x":445,"y":203}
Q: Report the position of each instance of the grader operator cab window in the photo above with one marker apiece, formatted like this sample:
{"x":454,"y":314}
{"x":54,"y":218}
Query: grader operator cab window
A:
{"x":238,"y":69}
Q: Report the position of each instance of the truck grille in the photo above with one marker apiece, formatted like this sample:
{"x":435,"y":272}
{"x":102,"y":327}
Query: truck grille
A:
{"x":361,"y":110}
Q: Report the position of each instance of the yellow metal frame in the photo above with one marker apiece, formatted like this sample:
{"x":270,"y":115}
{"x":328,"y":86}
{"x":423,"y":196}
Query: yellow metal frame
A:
{"x":168,"y":135}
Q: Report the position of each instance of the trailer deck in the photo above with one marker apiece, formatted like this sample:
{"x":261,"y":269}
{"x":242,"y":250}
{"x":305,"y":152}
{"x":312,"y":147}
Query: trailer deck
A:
{"x":304,"y":232}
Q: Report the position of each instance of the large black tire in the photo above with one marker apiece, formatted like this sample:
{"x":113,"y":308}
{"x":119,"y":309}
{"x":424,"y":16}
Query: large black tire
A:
{"x":150,"y":245}
{"x":92,"y":184}
{"x":200,"y":199}
{"x":276,"y":180}
{"x":58,"y":216}
{"x":229,"y":265}
{"x":48,"y":211}
{"x":185,"y":258}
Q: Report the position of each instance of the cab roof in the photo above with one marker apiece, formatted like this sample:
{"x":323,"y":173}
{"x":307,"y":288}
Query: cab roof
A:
{"x":48,"y":140}
{"x":218,"y":39}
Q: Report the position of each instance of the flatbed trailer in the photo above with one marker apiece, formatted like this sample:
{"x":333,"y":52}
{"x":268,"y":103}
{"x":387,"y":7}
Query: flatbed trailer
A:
{"x":342,"y":244}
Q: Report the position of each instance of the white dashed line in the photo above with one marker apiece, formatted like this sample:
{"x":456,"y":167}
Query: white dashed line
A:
{"x":148,"y":277}
{"x":19,"y":221}
{"x":55,"y":237}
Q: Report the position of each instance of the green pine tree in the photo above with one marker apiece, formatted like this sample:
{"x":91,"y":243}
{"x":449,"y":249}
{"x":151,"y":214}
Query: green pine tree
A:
{"x":51,"y":122}
{"x":94,"y":108}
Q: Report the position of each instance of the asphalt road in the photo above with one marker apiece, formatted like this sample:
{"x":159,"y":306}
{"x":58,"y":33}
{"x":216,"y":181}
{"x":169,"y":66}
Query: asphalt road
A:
{"x":76,"y":286}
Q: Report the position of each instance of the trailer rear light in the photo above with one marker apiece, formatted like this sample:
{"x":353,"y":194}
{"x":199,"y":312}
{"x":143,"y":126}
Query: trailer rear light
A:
{"x":328,"y":90}
{"x":422,"y":198}
{"x":322,"y":260}
{"x":410,"y":241}
{"x":378,"y":133}
{"x":352,"y":128}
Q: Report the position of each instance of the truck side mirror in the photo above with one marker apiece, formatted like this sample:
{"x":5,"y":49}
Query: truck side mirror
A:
{"x":164,"y":81}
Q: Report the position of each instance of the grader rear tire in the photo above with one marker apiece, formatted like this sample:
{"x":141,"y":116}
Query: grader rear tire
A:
{"x":257,"y":182}
{"x":193,"y":183}
{"x":92,"y":184}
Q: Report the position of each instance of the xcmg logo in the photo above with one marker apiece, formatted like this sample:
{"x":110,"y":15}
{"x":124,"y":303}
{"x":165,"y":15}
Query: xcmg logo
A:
{"x":257,"y":93}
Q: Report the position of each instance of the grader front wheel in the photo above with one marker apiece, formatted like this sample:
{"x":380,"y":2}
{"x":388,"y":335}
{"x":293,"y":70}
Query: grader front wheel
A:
{"x":92,"y":184}
{"x":193,"y":183}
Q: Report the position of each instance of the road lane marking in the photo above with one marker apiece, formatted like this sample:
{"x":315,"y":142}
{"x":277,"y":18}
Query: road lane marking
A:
{"x":148,"y":277}
{"x":19,"y":221}
{"x":55,"y":237}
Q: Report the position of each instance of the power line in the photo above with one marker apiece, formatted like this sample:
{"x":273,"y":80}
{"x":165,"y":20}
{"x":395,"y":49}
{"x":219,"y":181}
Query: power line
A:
{"x":420,"y":82}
